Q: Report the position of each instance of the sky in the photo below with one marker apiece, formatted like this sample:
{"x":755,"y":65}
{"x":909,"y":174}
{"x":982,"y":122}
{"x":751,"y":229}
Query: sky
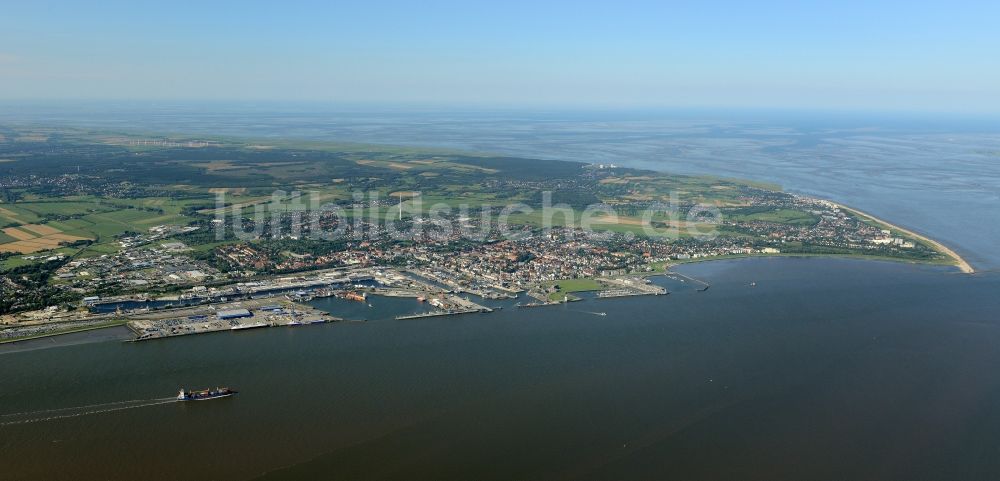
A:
{"x":871,"y":55}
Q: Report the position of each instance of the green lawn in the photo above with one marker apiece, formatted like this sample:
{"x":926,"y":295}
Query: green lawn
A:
{"x":579,"y":285}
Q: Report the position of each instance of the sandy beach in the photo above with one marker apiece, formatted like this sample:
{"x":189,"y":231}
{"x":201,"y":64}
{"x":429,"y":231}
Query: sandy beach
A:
{"x":962,"y":264}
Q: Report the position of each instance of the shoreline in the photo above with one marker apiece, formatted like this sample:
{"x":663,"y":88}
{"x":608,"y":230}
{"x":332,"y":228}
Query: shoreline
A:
{"x":959,"y":262}
{"x":55,"y":333}
{"x":666,"y":272}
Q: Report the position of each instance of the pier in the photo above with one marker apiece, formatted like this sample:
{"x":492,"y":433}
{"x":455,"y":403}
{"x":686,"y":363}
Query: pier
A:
{"x":539,"y":304}
{"x":609,"y":293}
{"x":438,"y":314}
{"x":704,"y":285}
{"x":626,"y":287}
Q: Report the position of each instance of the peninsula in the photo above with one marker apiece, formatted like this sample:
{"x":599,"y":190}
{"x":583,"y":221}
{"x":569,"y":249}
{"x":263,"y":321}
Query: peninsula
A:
{"x":98,"y":218}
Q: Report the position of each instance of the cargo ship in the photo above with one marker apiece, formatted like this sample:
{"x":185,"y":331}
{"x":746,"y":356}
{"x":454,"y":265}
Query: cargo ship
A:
{"x":354,"y":296}
{"x":205,"y":394}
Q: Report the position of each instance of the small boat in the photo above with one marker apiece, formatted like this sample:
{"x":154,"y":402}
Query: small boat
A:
{"x":205,"y":394}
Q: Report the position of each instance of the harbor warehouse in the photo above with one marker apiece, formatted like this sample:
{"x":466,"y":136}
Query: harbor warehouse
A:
{"x":234,"y":314}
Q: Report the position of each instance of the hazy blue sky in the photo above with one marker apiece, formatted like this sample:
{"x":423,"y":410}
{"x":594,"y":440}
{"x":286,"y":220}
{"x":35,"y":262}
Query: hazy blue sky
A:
{"x":908,"y":55}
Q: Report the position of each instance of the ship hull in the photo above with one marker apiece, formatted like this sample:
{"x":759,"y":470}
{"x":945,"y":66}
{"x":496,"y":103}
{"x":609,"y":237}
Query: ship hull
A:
{"x":207,"y":398}
{"x":205,"y":395}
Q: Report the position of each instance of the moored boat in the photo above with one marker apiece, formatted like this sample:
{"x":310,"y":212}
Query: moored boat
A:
{"x":355,"y":296}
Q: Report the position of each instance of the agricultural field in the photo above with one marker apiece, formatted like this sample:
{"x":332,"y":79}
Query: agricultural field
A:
{"x":31,"y":238}
{"x":40,"y":226}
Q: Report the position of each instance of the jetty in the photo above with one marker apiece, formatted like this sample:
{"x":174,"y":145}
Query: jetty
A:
{"x":704,"y":285}
{"x":626,"y":287}
{"x":438,"y":314}
{"x":609,"y":293}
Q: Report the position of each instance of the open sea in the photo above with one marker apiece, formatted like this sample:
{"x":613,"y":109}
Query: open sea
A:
{"x":786,"y":368}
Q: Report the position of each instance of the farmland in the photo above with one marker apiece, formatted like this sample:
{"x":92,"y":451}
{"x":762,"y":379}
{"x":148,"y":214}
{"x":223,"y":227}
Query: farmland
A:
{"x":40,"y":225}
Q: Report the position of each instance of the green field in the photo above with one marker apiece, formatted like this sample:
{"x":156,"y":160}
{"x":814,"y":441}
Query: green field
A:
{"x":41,"y":209}
{"x":568,"y":286}
{"x":780,"y":216}
{"x":11,"y":213}
{"x":577,"y":285}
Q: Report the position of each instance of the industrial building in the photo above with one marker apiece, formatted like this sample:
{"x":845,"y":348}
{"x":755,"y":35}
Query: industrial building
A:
{"x":234,"y":314}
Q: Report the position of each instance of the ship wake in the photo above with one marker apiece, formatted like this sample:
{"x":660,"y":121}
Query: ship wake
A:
{"x":29,"y":417}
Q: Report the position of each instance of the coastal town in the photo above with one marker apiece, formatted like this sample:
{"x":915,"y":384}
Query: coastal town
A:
{"x":152,"y":234}
{"x":156,"y":285}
